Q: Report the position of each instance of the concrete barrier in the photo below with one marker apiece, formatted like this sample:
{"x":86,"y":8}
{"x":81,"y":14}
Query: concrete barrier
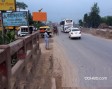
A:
{"x":18,"y":61}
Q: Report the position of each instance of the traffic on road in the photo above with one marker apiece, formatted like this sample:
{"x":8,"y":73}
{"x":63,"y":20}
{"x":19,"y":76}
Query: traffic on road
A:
{"x":91,"y":57}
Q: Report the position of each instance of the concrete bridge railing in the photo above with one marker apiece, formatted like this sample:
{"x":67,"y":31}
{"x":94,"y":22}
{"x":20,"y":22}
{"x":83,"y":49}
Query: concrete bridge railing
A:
{"x":18,"y":61}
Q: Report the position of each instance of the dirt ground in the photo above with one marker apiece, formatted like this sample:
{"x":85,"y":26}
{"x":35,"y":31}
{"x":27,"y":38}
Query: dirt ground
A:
{"x":105,"y":33}
{"x":54,"y":71}
{"x":42,"y":78}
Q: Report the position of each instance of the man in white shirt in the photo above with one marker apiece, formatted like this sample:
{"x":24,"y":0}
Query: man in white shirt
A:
{"x":46,"y":38}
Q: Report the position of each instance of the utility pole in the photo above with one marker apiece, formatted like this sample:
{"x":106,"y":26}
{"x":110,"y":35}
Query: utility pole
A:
{"x":2,"y":26}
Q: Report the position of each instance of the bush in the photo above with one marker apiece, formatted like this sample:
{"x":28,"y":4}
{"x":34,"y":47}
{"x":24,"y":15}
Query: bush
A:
{"x":8,"y":37}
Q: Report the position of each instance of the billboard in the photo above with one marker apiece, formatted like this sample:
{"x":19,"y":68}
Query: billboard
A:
{"x":7,"y":5}
{"x":15,"y":19}
{"x":39,"y":16}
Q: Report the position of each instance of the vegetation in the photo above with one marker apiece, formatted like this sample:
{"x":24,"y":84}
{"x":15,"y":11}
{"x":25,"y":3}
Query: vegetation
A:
{"x":93,"y":19}
{"x":30,"y":19}
{"x":21,"y":5}
{"x":107,"y":20}
{"x":38,"y":24}
{"x":8,"y":37}
{"x":80,"y":22}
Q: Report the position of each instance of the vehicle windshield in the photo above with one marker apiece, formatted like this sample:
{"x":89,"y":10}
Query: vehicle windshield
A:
{"x":75,"y":29}
{"x":24,"y":29}
{"x":68,"y":21}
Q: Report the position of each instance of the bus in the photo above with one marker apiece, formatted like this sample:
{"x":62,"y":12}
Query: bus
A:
{"x":65,"y":24}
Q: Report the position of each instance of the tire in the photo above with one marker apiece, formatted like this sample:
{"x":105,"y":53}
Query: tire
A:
{"x":70,"y":37}
{"x":79,"y":37}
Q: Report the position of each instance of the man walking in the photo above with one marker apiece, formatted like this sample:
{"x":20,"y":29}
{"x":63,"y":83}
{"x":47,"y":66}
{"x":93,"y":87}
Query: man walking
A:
{"x":46,"y":38}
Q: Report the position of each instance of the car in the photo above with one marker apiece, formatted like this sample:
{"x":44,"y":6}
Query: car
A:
{"x":74,"y":33}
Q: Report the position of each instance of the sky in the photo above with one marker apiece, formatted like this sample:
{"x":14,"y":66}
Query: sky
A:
{"x":58,"y":10}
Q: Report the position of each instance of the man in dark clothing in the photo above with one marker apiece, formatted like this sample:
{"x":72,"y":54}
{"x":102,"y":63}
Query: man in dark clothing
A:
{"x":30,"y":30}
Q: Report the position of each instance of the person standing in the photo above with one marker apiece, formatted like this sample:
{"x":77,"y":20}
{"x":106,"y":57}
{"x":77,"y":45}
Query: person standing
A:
{"x":56,"y":30}
{"x":46,"y":38}
{"x":30,"y":30}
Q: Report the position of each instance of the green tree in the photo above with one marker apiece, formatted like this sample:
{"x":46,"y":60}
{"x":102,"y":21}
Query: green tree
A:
{"x":30,"y":19}
{"x":95,"y":9}
{"x":21,"y":5}
{"x":38,"y":24}
{"x":80,"y":22}
{"x":86,"y":20}
{"x":109,"y":20}
{"x":103,"y":19}
{"x":94,"y":16}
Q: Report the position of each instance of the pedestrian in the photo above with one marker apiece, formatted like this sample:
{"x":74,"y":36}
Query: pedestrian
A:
{"x":46,"y":38}
{"x":30,"y":30}
{"x":56,"y":30}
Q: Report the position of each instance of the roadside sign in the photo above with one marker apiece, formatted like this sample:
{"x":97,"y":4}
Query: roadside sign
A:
{"x":39,"y":16}
{"x":15,"y":18}
{"x":7,"y":5}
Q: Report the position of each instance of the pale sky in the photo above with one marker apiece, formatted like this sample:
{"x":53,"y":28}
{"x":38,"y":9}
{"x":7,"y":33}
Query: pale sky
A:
{"x":72,"y":9}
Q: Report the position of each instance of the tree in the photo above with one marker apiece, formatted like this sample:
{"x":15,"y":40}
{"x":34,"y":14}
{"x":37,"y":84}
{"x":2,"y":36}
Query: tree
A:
{"x":86,"y":20}
{"x":80,"y":22}
{"x":30,"y":19}
{"x":95,"y":9}
{"x":94,"y":16}
{"x":21,"y":5}
{"x":104,"y":20}
{"x":109,"y":20}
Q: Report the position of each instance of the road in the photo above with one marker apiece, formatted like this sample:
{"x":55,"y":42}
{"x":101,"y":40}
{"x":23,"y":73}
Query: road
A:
{"x":92,"y":57}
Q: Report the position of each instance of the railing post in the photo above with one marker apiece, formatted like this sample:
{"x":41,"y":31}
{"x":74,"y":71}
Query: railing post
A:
{"x":5,"y":67}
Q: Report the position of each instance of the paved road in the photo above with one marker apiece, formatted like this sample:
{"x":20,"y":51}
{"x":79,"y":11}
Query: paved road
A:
{"x":92,"y":57}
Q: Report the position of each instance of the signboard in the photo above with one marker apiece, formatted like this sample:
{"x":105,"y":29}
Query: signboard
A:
{"x":7,"y":5}
{"x":15,"y":19}
{"x":39,"y":16}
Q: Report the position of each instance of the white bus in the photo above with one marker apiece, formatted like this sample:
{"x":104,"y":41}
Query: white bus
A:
{"x":65,"y":24}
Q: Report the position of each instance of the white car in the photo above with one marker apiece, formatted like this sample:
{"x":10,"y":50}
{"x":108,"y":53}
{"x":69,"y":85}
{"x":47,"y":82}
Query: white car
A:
{"x":75,"y":33}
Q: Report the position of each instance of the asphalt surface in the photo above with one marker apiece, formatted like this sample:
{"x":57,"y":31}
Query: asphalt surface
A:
{"x":92,"y":56}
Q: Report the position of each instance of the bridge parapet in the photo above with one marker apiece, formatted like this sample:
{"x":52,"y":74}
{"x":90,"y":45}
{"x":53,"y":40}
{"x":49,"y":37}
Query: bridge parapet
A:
{"x":18,"y":61}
